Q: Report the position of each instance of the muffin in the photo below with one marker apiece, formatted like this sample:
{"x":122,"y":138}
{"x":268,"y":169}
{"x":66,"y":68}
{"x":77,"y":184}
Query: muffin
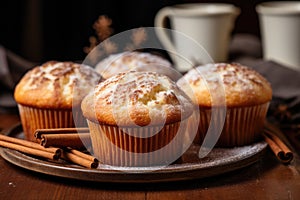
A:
{"x":50,"y":95}
{"x":137,"y":61}
{"x":137,"y":119}
{"x":246,"y":93}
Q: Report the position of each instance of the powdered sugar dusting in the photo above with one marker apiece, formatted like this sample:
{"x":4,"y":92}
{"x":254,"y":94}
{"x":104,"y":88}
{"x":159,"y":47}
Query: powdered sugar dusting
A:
{"x":149,"y":91}
{"x":128,"y":61}
{"x":71,"y":80}
{"x":242,"y":86}
{"x":234,"y":76}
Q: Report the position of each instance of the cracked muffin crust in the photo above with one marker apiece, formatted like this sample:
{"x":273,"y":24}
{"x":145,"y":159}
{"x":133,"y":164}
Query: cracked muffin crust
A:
{"x":135,"y":61}
{"x":56,"y":85}
{"x":137,"y":98}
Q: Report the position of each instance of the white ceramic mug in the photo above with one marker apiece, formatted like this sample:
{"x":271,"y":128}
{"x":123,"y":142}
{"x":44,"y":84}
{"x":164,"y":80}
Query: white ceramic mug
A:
{"x":280,"y":31}
{"x":208,"y":25}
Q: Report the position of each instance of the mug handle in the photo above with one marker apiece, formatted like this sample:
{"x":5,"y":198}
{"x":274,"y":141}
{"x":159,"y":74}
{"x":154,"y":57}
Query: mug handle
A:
{"x":161,"y":21}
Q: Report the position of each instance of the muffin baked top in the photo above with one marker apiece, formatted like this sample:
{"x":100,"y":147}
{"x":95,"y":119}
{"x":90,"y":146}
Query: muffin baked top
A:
{"x":58,"y":85}
{"x":134,"y":61}
{"x":137,"y":98}
{"x":243,"y":86}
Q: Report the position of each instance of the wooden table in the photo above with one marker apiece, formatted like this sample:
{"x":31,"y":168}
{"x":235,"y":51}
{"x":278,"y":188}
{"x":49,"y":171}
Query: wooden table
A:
{"x":266,"y":179}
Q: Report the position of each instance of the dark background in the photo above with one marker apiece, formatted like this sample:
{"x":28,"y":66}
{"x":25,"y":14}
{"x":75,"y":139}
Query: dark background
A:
{"x":46,"y":30}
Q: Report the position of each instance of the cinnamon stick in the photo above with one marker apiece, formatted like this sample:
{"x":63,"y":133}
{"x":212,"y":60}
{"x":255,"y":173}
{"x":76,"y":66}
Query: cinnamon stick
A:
{"x":31,"y":145}
{"x":39,"y":132}
{"x":80,"y":160}
{"x":282,"y":152}
{"x":35,"y":149}
{"x":73,"y":140}
{"x":83,"y":155}
{"x":31,"y":151}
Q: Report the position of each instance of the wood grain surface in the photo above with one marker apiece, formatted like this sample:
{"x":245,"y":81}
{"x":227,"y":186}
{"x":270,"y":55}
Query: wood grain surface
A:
{"x":266,"y":179}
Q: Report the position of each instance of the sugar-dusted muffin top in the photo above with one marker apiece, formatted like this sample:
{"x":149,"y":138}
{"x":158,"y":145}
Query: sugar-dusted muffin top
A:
{"x":137,"y":61}
{"x":137,"y":98}
{"x":243,"y":86}
{"x":58,"y":85}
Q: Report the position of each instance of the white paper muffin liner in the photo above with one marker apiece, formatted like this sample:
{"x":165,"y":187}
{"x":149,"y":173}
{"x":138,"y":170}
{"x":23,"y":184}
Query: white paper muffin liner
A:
{"x":242,"y":125}
{"x":38,"y":118}
{"x":137,"y":146}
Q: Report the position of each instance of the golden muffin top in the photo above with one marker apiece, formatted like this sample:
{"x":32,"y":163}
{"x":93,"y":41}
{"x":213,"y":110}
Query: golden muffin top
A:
{"x":58,"y":85}
{"x":134,"y":61}
{"x":137,"y":98}
{"x":242,"y":86}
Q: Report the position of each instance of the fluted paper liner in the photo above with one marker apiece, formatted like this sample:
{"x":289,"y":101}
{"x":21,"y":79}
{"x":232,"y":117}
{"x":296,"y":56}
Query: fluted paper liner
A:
{"x":136,"y":146}
{"x":38,"y":118}
{"x":242,"y":125}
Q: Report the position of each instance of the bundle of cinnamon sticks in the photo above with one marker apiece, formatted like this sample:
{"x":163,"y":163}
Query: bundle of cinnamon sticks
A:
{"x":283,"y":153}
{"x":30,"y":147}
{"x":55,"y":144}
{"x":76,"y":138}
